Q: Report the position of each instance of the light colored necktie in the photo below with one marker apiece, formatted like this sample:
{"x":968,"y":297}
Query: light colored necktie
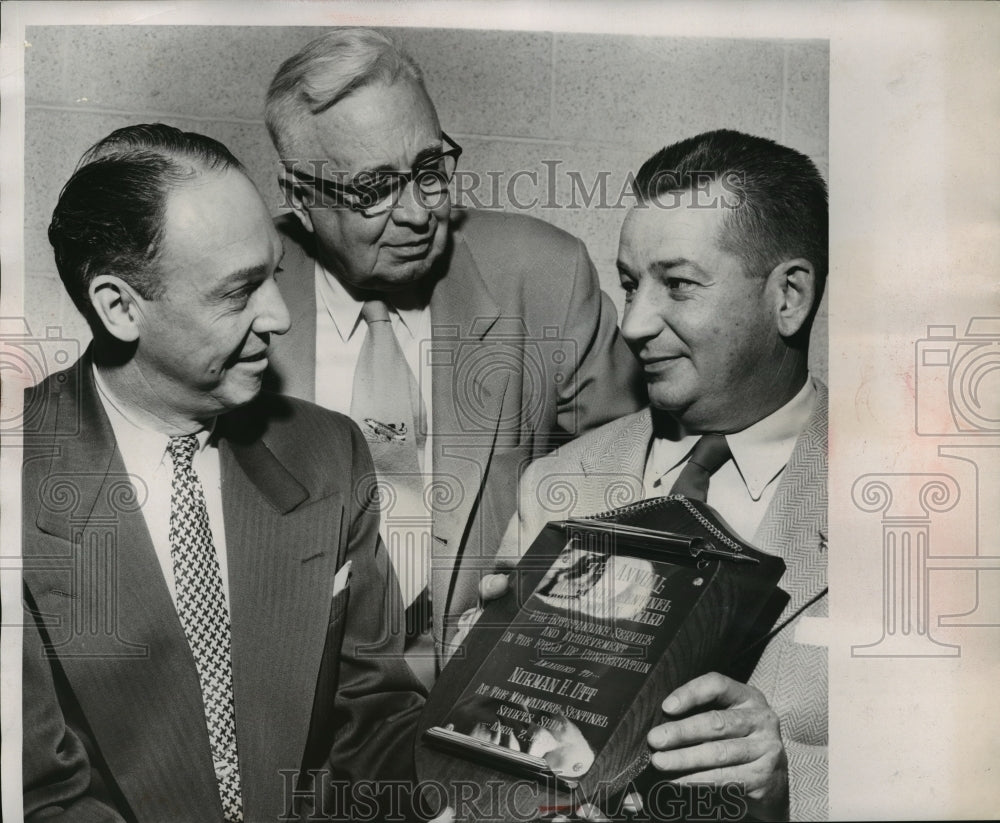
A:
{"x":201,"y":606}
{"x":708,"y":455}
{"x":386,"y":404}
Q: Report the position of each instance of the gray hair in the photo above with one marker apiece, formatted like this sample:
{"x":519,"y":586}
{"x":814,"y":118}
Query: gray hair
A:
{"x":327,"y":70}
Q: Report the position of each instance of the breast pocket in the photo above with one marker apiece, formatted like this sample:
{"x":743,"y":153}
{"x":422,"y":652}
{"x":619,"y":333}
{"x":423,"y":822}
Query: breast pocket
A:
{"x":338,"y":606}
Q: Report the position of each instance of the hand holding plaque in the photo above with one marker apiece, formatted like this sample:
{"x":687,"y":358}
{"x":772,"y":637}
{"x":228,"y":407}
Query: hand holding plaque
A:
{"x":554,"y":690}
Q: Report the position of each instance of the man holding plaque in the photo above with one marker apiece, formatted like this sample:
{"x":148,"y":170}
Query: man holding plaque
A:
{"x":723,"y":262}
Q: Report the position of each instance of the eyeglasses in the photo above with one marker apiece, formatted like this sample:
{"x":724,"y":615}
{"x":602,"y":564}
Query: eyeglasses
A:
{"x":373,"y":193}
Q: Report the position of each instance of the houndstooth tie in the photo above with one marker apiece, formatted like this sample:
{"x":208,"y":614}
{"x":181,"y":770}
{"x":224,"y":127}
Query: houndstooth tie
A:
{"x":201,"y":606}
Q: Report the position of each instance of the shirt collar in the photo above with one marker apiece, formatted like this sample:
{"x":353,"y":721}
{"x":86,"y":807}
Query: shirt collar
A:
{"x":345,"y":309}
{"x":665,"y":454}
{"x":762,"y":450}
{"x":759,"y":451}
{"x":143,"y":449}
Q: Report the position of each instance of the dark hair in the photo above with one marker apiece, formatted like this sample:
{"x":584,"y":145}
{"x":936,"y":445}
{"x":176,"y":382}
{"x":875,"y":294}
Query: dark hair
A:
{"x":110,"y":214}
{"x":780,"y":202}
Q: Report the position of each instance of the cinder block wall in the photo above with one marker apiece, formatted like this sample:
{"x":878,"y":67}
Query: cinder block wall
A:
{"x":571,"y":109}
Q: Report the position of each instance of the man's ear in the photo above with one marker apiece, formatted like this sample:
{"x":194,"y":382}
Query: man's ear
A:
{"x":794,"y":284}
{"x":294,"y":198}
{"x":116,"y":305}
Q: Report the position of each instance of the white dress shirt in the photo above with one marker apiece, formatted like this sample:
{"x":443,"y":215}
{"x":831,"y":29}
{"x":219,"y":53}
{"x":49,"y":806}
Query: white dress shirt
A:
{"x":340,"y":333}
{"x":147,"y":460}
{"x":742,"y":488}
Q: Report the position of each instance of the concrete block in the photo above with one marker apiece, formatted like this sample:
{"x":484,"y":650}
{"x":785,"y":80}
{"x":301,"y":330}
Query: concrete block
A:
{"x":651,"y":91}
{"x":807,"y":97}
{"x":485,"y":82}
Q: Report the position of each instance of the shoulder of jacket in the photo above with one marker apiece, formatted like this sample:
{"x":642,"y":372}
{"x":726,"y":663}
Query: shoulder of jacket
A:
{"x":477,"y":226}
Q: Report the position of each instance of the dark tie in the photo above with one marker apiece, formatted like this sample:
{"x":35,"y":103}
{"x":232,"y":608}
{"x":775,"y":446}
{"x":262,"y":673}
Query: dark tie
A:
{"x":386,"y":405}
{"x":707,"y":456}
{"x":201,"y":607}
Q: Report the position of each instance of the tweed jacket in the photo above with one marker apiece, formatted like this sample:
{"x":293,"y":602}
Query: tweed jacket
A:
{"x":604,"y":470}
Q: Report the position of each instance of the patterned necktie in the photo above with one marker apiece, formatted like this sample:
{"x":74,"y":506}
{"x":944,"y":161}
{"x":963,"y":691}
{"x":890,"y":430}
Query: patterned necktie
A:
{"x":386,"y":404}
{"x":707,"y":456}
{"x":201,"y":606}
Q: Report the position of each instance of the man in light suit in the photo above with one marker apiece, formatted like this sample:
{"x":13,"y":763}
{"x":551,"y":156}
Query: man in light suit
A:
{"x":499,"y":317}
{"x":206,"y":593}
{"x":723,"y":264}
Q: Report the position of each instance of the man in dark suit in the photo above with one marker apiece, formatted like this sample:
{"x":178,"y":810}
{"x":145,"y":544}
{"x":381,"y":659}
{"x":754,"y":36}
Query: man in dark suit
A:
{"x":499,"y":318}
{"x":207,"y":597}
{"x":723,"y":264}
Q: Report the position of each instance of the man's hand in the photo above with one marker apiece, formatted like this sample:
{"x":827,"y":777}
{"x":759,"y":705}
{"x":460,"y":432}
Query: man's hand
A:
{"x":491,"y":587}
{"x":725,"y":733}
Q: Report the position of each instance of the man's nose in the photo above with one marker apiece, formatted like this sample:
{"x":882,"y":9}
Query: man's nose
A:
{"x":273,"y":317}
{"x":411,"y":210}
{"x":641,"y":321}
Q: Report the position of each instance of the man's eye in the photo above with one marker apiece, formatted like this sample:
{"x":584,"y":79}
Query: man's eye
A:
{"x":430,"y":177}
{"x":240,"y":296}
{"x":680,"y":285}
{"x":370,"y":189}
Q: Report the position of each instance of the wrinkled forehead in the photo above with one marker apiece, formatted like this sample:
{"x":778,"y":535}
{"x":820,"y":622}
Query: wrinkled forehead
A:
{"x":379,"y":126}
{"x":215,"y":224}
{"x":679,"y":224}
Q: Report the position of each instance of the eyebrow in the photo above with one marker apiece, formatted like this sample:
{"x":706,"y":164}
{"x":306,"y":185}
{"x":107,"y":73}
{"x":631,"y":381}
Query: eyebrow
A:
{"x":426,"y":153}
{"x":242,"y":275}
{"x":665,"y":266}
{"x":661,"y":267}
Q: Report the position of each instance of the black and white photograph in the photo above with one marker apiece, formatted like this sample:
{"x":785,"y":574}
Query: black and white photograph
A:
{"x":314,"y":314}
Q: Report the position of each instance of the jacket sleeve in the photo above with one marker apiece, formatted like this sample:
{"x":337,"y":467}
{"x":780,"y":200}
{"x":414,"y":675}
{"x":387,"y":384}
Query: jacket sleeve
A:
{"x":55,"y":767}
{"x":378,"y":699}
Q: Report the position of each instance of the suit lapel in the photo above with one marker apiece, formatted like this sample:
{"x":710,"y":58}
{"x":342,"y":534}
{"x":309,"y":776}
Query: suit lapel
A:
{"x":282,"y":555}
{"x":117,"y":632}
{"x":615,"y":466}
{"x":795,"y":524}
{"x":467,"y":404}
